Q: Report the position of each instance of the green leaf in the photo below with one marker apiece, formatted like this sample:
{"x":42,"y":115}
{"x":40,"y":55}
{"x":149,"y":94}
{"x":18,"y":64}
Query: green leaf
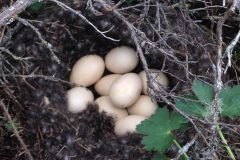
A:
{"x":192,"y":108}
{"x":157,"y":130}
{"x":9,"y":126}
{"x":230,"y":101}
{"x":159,"y":157}
{"x":203,"y":91}
{"x":36,"y":6}
{"x":183,"y":158}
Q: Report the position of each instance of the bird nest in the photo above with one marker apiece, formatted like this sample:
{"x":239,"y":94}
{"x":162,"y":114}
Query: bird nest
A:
{"x":39,"y":48}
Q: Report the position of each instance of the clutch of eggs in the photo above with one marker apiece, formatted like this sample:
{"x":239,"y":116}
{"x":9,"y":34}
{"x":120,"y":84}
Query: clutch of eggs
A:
{"x":123,"y":94}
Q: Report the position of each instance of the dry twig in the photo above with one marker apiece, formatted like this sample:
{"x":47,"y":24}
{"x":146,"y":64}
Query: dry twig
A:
{"x":44,"y":42}
{"x":13,"y":56}
{"x":32,"y":76}
{"x":186,"y":147}
{"x":7,"y":16}
{"x":15,"y":131}
{"x":103,"y":33}
{"x":229,"y":50}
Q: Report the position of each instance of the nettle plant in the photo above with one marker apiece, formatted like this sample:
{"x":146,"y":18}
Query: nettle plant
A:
{"x":158,"y":130}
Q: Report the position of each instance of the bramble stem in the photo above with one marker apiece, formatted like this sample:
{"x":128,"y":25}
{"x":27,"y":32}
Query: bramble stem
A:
{"x":224,"y":141}
{"x":179,"y":147}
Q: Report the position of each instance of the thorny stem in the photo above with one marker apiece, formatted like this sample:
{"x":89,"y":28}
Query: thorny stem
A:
{"x":224,"y":141}
{"x":179,"y":147}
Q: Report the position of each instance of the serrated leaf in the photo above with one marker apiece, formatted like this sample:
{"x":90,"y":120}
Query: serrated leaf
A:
{"x":157,"y":130}
{"x":230,"y":101}
{"x":160,"y":143}
{"x":203,"y":91}
{"x":192,"y":108}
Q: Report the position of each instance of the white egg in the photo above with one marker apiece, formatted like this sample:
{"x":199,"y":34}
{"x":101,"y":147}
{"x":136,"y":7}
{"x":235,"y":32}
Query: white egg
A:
{"x":127,"y":124}
{"x":103,"y":85}
{"x":125,"y":90}
{"x":144,"y":107}
{"x":105,"y":105}
{"x":157,"y":75}
{"x":78,"y":99}
{"x":87,"y":70}
{"x":121,"y":60}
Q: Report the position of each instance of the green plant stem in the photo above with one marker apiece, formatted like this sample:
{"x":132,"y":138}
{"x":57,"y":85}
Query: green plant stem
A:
{"x":224,"y":141}
{"x":179,"y":147}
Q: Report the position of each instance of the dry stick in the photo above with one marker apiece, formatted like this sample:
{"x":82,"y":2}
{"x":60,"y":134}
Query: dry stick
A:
{"x":215,"y":108}
{"x":206,"y":8}
{"x":50,"y":78}
{"x":186,"y":147}
{"x":145,"y":66}
{"x":44,"y":42}
{"x":13,"y":56}
{"x":180,"y":148}
{"x":218,"y":68}
{"x":4,"y":28}
{"x":7,"y":15}
{"x":229,"y":50}
{"x":62,"y":5}
{"x":15,"y":131}
{"x":2,"y":34}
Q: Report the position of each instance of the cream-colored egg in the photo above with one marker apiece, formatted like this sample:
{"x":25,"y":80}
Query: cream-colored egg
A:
{"x":127,"y":124}
{"x":87,"y":70}
{"x":121,"y":60}
{"x":103,"y":85}
{"x":78,"y":99}
{"x":144,"y":107}
{"x":125,"y":90}
{"x":105,"y":105}
{"x":157,"y":75}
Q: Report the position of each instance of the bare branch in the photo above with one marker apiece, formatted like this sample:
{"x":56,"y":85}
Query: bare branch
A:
{"x":51,"y":78}
{"x":44,"y":42}
{"x":13,"y":56}
{"x":218,"y":67}
{"x":15,"y":131}
{"x":62,"y":5}
{"x":186,"y":147}
{"x":7,"y":15}
{"x":229,"y":50}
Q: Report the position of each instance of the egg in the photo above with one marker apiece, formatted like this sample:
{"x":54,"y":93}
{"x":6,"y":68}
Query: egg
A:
{"x":144,"y":107}
{"x":127,"y":124}
{"x":125,"y":90}
{"x":87,"y":70}
{"x":78,"y":99}
{"x":103,"y":85}
{"x":121,"y":60}
{"x":157,"y":75}
{"x":105,"y":105}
